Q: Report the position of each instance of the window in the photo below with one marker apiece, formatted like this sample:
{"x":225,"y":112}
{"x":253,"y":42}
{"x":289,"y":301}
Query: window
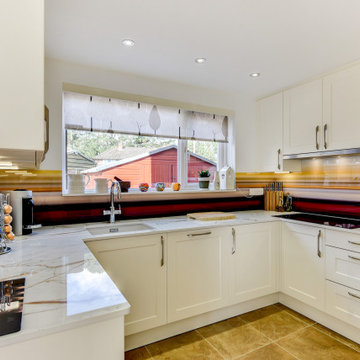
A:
{"x":151,"y":146}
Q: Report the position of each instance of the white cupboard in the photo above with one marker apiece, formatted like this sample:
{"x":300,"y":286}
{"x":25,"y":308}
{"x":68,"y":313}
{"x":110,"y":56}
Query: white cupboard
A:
{"x":22,"y":77}
{"x":254,"y":261}
{"x":342,"y":109}
{"x":303,"y":263}
{"x":197,"y":272}
{"x":137,"y":265}
{"x":269,"y":133}
{"x":303,"y":118}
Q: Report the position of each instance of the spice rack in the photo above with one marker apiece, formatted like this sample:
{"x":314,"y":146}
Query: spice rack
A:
{"x":6,"y":233}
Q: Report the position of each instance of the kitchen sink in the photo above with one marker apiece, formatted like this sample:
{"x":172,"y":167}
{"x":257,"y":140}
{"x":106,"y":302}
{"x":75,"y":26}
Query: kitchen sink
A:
{"x":118,"y":228}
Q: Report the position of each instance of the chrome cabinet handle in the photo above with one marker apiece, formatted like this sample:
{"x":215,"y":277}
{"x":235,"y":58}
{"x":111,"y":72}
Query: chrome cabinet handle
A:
{"x":47,"y":132}
{"x":325,"y":131}
{"x":354,"y":257}
{"x":353,"y":295}
{"x":316,"y":136}
{"x":279,"y":152}
{"x":233,"y":251}
{"x":318,"y":244}
{"x":162,"y":252}
{"x":353,"y":242}
{"x":199,"y":234}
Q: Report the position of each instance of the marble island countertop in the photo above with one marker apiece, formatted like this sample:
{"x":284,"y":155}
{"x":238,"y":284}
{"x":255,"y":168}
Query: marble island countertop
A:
{"x":66,"y":286}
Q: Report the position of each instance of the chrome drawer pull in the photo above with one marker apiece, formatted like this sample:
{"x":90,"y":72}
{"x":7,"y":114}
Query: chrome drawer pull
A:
{"x":162,"y":261}
{"x":200,"y":234}
{"x":316,"y":136}
{"x":354,"y":257}
{"x":353,"y":295}
{"x":318,"y":244}
{"x":325,"y":141}
{"x":233,"y":251}
{"x":353,"y":242}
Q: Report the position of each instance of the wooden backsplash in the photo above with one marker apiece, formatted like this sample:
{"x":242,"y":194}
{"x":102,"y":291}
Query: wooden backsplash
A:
{"x":35,"y":180}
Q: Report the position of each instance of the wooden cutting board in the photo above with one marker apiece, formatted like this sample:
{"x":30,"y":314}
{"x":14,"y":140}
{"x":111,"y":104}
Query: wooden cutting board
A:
{"x":211,"y":216}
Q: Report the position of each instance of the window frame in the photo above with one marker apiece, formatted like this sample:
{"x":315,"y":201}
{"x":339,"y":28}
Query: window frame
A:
{"x":182,"y":165}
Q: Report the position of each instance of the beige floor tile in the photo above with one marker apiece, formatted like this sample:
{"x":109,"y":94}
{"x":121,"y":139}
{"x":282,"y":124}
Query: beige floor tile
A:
{"x":188,"y":346}
{"x":311,"y":344}
{"x":233,"y":337}
{"x":268,"y":352}
{"x":273,"y":322}
{"x":138,"y":354}
{"x":339,"y":337}
{"x":295,"y":313}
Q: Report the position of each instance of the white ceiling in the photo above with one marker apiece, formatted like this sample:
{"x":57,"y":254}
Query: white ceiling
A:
{"x":287,"y":41}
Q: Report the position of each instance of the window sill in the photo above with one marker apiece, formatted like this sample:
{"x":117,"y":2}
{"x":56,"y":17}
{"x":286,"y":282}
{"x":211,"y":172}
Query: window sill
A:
{"x":135,"y":196}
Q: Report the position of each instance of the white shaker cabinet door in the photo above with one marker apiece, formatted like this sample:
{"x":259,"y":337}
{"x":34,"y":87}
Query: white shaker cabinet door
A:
{"x":197,"y":272}
{"x":303,"y":263}
{"x":254,"y":261}
{"x":137,"y":265}
{"x":342,"y":109}
{"x":303,"y":118}
{"x":22,"y":75}
{"x":269,"y":130}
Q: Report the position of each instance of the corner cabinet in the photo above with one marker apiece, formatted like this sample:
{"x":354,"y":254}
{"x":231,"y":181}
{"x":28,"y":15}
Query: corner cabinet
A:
{"x":342,"y":109}
{"x":254,"y":261}
{"x":303,"y":130}
{"x":269,"y":131}
{"x":22,"y":78}
{"x":197,"y":272}
{"x":303,"y":263}
{"x":137,"y":265}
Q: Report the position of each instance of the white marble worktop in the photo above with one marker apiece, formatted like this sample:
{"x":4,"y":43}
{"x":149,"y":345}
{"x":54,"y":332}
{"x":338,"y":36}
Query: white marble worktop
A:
{"x":66,"y":286}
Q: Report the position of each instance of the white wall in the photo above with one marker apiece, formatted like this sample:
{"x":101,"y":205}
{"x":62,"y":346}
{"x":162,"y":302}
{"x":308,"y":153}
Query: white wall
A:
{"x":242,"y":132}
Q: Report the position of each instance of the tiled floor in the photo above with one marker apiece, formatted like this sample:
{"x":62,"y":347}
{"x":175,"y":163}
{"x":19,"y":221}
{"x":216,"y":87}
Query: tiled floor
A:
{"x":271,"y":333}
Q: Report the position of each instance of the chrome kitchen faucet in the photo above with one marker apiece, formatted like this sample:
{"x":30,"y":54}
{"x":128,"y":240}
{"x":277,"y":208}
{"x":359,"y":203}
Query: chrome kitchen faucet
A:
{"x":112,"y":212}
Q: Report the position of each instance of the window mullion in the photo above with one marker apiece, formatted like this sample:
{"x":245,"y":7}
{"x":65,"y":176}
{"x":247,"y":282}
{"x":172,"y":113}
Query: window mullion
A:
{"x":182,"y":162}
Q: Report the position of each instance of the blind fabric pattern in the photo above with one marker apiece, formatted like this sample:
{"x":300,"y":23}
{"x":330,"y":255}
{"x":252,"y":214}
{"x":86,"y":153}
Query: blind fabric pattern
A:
{"x":94,"y":113}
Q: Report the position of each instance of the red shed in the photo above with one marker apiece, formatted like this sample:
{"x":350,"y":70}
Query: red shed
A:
{"x":151,"y":166}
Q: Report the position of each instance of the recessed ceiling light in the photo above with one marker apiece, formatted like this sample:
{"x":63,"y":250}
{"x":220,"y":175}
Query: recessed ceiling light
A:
{"x":128,"y":42}
{"x":200,"y":60}
{"x":255,"y":74}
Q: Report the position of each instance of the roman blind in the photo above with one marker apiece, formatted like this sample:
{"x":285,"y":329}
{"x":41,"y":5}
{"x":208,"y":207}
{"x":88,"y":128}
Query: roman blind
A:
{"x":102,"y":114}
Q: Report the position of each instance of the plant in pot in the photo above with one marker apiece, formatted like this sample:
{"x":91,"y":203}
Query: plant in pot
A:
{"x":204,"y":179}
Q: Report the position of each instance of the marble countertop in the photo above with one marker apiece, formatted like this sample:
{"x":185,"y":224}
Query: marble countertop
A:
{"x":66,"y":286}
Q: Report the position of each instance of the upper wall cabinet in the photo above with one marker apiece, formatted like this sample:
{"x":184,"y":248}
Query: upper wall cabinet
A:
{"x":342,"y":109}
{"x":22,"y":76}
{"x":303,"y":118}
{"x":270,"y":139}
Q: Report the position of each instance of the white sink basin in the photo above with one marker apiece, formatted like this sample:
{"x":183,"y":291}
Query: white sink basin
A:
{"x":118,"y":228}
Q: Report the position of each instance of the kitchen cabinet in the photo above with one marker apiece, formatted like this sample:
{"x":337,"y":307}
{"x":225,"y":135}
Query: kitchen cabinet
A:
{"x":197,"y":272}
{"x":137,"y":265}
{"x":343,"y":303}
{"x":254,"y":261}
{"x":342,"y":108}
{"x":303,"y":118}
{"x":22,"y":80}
{"x":303,"y":263}
{"x":269,"y":133}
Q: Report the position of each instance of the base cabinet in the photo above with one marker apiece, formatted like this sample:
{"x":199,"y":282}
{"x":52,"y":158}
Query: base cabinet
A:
{"x":303,"y":264}
{"x":254,"y":261}
{"x":137,"y":265}
{"x":343,"y":303}
{"x":197,"y":272}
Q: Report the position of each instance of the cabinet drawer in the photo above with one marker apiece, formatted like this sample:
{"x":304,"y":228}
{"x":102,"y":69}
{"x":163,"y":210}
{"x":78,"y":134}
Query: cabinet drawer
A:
{"x":343,"y":303}
{"x":343,"y":240}
{"x":343,"y":266}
